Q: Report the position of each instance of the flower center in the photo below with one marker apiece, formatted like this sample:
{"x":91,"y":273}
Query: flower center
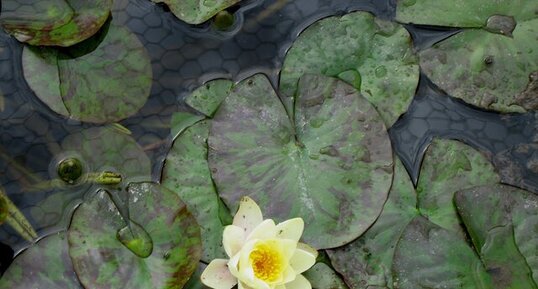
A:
{"x":267,"y":262}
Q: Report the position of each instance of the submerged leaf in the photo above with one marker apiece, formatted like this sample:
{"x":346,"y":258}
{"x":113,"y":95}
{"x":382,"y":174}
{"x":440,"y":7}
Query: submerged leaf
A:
{"x":375,"y":56}
{"x":488,"y":70}
{"x":336,"y":144}
{"x":45,"y":265}
{"x":186,"y":173}
{"x":12,"y":216}
{"x":106,"y":84}
{"x":196,"y":11}
{"x":101,"y":260}
{"x":54,"y":22}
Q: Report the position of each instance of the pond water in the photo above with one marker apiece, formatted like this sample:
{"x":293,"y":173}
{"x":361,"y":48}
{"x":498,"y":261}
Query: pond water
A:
{"x":183,"y":57}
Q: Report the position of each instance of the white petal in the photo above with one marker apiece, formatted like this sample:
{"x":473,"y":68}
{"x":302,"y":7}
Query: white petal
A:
{"x":290,"y":229}
{"x":233,"y":239}
{"x":216,"y":275}
{"x":265,"y":230}
{"x":303,"y":258}
{"x":300,"y":282}
{"x":289,"y":275}
{"x":248,"y":215}
{"x":233,"y":265}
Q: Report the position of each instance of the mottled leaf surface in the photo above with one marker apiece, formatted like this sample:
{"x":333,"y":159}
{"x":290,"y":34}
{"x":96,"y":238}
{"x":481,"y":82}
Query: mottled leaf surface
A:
{"x":501,"y":222}
{"x":207,"y":98}
{"x":195,"y":282}
{"x":180,"y":121}
{"x":99,"y":149}
{"x":186,"y":173}
{"x":321,"y":276}
{"x":428,"y":256}
{"x":367,"y":261}
{"x":45,"y":265}
{"x":373,"y":55}
{"x":54,"y":22}
{"x":196,"y":11}
{"x":450,"y":166}
{"x":105,"y":84}
{"x":102,"y":261}
{"x":488,"y":70}
{"x":518,"y":166}
{"x":336,"y":146}
{"x":462,"y":13}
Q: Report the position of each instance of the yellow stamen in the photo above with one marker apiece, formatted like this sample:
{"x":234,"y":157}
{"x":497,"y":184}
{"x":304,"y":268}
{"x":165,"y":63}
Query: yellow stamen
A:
{"x":267,"y":261}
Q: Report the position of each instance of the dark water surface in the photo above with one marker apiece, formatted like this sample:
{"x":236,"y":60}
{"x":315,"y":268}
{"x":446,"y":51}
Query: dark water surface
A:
{"x":184,"y":57}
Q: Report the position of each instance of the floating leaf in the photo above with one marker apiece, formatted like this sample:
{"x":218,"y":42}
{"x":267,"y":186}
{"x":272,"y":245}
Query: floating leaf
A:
{"x":45,"y":265}
{"x":106,"y":84}
{"x":207,"y":98}
{"x":336,"y":144}
{"x":518,"y":166}
{"x":502,"y":223}
{"x":488,"y":70}
{"x":186,"y":173}
{"x":195,"y":281}
{"x":450,"y":166}
{"x":101,"y":260}
{"x":54,"y":22}
{"x":99,"y":149}
{"x":367,"y":261}
{"x":377,"y":59}
{"x":321,"y":276}
{"x":12,"y":216}
{"x":196,"y":11}
{"x":428,"y":256}
{"x":462,"y":13}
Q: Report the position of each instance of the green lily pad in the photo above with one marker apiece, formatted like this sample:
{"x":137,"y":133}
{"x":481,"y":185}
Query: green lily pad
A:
{"x":207,"y":98}
{"x":449,"y":166}
{"x":428,"y":256}
{"x":54,"y":22}
{"x":106,"y":84}
{"x":502,"y":223}
{"x":321,"y":276}
{"x":367,"y":261}
{"x":45,"y":265}
{"x":377,"y":59}
{"x":99,"y":149}
{"x":462,"y":13}
{"x":186,"y":172}
{"x":101,"y":257}
{"x":488,"y":70}
{"x":336,"y":144}
{"x":195,"y":11}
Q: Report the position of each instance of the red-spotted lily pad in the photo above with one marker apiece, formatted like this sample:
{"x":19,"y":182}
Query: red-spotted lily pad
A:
{"x":104,"y":79}
{"x":186,"y":173}
{"x":158,"y":247}
{"x":54,"y":22}
{"x":334,"y":145}
{"x":195,"y":11}
{"x":448,"y":166}
{"x":373,"y":55}
{"x":45,"y":265}
{"x":494,"y":67}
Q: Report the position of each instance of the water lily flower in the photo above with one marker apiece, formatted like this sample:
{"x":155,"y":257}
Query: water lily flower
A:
{"x":263,"y":255}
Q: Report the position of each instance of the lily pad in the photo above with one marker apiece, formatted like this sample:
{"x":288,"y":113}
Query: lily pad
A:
{"x":321,"y":276}
{"x":207,"y":98}
{"x":186,"y":173}
{"x":45,"y":265}
{"x":106,"y":84}
{"x":450,"y":166}
{"x":335,"y":144}
{"x":367,"y":261}
{"x":101,"y":257}
{"x":54,"y":22}
{"x":488,"y":70}
{"x":196,"y":11}
{"x":99,"y":149}
{"x":502,"y":222}
{"x":518,"y":166}
{"x":428,"y":256}
{"x":462,"y":13}
{"x":377,"y":59}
